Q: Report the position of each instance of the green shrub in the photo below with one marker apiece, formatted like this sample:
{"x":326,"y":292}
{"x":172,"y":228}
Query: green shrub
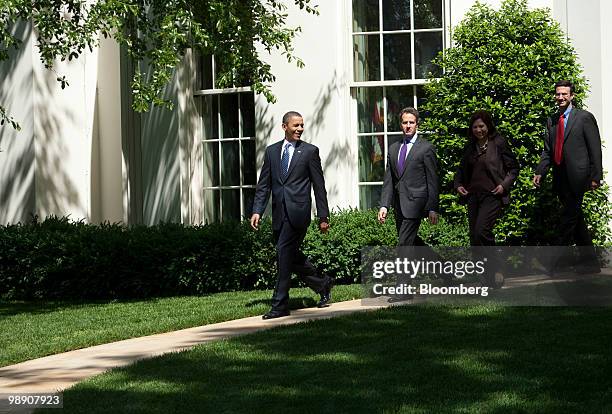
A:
{"x":507,"y":62}
{"x":57,"y":258}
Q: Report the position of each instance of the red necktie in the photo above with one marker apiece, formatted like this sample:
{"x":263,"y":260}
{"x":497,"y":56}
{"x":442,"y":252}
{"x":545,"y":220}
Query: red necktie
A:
{"x":559,"y":140}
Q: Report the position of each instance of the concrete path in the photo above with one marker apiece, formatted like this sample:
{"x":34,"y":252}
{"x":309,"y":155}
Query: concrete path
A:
{"x":58,"y":372}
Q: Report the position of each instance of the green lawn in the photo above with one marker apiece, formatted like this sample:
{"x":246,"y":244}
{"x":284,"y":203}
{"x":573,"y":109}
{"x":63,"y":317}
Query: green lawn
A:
{"x":34,"y":329}
{"x":416,"y":359}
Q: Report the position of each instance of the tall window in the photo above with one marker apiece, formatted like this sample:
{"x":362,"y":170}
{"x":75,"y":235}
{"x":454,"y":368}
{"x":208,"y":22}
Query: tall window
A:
{"x":394,"y":42}
{"x":228,"y":126}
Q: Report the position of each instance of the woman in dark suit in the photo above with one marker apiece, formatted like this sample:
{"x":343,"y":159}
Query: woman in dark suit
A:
{"x":485,"y":175}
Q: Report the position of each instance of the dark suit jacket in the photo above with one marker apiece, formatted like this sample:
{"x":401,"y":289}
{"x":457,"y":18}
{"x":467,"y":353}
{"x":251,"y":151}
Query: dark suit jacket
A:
{"x":305,"y":173}
{"x":415,"y":192}
{"x":581,"y":151}
{"x":502,"y":166}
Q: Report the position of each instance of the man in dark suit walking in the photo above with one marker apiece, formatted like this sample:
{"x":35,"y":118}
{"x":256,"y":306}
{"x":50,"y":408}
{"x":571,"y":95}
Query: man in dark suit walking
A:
{"x":572,"y":146}
{"x":411,"y":181}
{"x":291,"y":169}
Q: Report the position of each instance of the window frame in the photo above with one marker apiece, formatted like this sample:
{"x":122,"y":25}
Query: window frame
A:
{"x":414,"y":82}
{"x":216,"y":93}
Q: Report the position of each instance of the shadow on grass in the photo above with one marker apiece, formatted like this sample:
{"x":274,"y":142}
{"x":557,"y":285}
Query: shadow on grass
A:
{"x":294,"y":303}
{"x":405,"y":359}
{"x":11,"y":308}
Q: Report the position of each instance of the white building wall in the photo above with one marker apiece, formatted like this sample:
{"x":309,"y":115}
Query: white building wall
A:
{"x":17,"y":158}
{"x":320,"y":93}
{"x":605,"y":122}
{"x":63,"y":129}
{"x":107,"y":173}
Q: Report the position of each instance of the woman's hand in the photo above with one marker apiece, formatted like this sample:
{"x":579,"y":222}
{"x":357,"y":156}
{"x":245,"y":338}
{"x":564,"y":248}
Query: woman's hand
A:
{"x":499,"y":190}
{"x":461,"y":190}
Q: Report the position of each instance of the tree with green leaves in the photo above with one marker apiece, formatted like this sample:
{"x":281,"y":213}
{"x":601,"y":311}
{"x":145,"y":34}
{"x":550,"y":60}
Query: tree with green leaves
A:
{"x":157,"y":33}
{"x":506,"y":61}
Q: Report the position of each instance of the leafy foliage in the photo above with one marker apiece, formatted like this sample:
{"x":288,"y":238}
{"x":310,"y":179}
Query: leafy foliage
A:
{"x":158,"y":33}
{"x":507,"y":62}
{"x":58,"y":258}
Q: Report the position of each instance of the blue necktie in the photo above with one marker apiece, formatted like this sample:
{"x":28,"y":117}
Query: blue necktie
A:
{"x":401,"y":162}
{"x":285,"y":162}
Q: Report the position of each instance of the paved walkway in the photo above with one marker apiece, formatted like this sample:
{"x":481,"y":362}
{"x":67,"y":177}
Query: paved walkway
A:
{"x":58,"y":372}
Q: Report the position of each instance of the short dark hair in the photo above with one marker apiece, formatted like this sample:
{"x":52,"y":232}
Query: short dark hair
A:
{"x":565,"y":83}
{"x":290,"y":115}
{"x":409,"y":110}
{"x":485,"y":117}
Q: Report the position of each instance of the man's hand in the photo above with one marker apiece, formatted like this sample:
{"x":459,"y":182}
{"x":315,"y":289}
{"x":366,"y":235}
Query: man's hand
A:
{"x":537,"y":179}
{"x":461,"y":190}
{"x":499,"y":190}
{"x":433,"y":217}
{"x":323,"y":226}
{"x":594,"y":185}
{"x":382,"y":214}
{"x":255,"y":221}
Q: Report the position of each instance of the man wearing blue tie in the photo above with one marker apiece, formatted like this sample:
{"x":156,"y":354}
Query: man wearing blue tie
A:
{"x":411,"y":181}
{"x":291,"y":169}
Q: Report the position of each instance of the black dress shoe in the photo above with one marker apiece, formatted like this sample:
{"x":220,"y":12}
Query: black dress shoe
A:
{"x":273,"y":314}
{"x":399,"y":298}
{"x":325,"y":295}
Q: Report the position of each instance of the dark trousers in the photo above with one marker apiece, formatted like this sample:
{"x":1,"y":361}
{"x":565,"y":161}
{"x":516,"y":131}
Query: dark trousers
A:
{"x":407,"y":230}
{"x":291,"y":259}
{"x":573,"y":228}
{"x":483,"y":211}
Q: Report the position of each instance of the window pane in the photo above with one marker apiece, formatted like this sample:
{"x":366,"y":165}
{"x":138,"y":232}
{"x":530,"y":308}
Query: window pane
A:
{"x":426,"y":47}
{"x":211,"y":164}
{"x":370,"y":110}
{"x":210,"y":117}
{"x":428,"y":14}
{"x":396,"y":50}
{"x":371,"y":158}
{"x":211,"y":205}
{"x":396,"y":14}
{"x":249,"y":172}
{"x":369,"y":196}
{"x":392,"y":139}
{"x":365,"y":15}
{"x":398,"y":98}
{"x":228,"y":107}
{"x":366,"y":58}
{"x":421,"y":100}
{"x":247,"y":106}
{"x":206,"y":81}
{"x":230,"y":204}
{"x":230,"y":165}
{"x":248,"y":195}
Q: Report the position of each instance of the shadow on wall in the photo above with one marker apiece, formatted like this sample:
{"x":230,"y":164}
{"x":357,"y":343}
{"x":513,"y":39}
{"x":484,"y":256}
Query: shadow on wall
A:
{"x":56,"y":193}
{"x":29,"y":185}
{"x":161,"y":162}
{"x":340,"y":154}
{"x":266,"y":129}
{"x":17,"y":157}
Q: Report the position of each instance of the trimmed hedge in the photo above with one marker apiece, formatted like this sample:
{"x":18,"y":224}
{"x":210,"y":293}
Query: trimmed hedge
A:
{"x":60,"y":259}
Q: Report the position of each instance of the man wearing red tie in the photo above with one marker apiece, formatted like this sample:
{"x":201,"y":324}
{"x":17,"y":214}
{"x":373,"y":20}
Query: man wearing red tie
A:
{"x":572,"y":146}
